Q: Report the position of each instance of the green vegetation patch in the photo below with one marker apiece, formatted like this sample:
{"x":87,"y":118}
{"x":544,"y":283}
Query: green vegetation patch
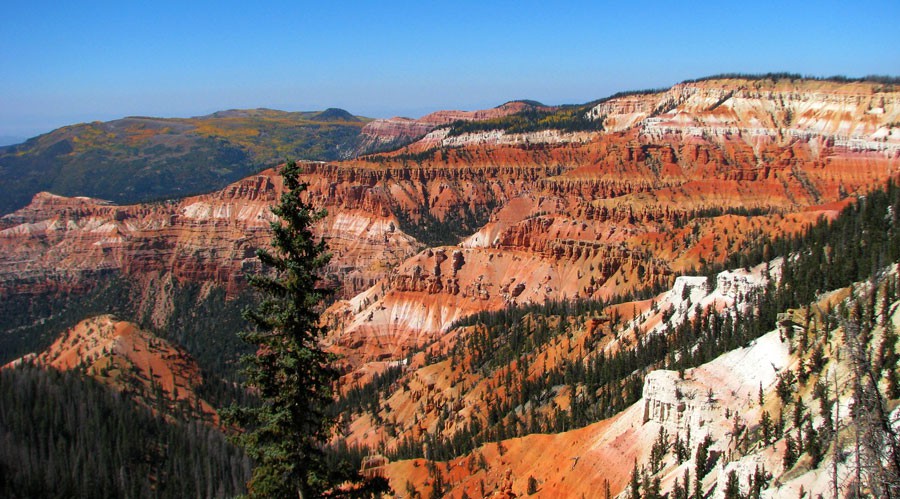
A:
{"x":566,"y":119}
{"x":141,"y":159}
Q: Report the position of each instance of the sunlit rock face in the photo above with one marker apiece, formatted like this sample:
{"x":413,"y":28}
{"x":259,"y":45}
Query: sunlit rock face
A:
{"x":452,"y":225}
{"x":672,"y":180}
{"x":151,"y":370}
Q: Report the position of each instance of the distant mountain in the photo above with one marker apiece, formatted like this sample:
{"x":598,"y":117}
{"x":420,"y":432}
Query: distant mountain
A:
{"x":335,"y":114}
{"x":138,"y":159}
{"x":142,"y":158}
{"x":387,"y":134}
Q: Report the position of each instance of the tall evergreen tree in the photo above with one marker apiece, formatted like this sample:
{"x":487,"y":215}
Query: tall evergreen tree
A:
{"x":888,"y":358}
{"x":294,"y":377}
{"x":635,"y":484}
{"x":732,"y":487}
{"x":701,"y":458}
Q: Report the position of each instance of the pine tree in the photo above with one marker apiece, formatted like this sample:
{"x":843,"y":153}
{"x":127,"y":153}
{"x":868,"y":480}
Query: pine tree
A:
{"x":790,"y":452}
{"x":678,"y":491}
{"x":888,"y":357}
{"x":698,"y":487}
{"x":701,"y":458}
{"x":437,"y":484}
{"x":878,"y":443}
{"x":785,"y":386}
{"x":732,"y":487}
{"x":287,"y":434}
{"x":799,"y":413}
{"x":635,"y":485}
{"x":680,"y":448}
{"x":687,"y":483}
{"x":779,"y":426}
{"x":653,"y":491}
{"x":813,"y":445}
{"x":658,"y":451}
{"x":757,"y":481}
{"x":766,"y":425}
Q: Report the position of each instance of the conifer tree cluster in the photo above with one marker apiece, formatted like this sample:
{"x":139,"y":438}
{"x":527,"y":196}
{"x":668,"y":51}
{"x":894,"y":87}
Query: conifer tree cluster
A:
{"x":63,"y":434}
{"x":827,"y":255}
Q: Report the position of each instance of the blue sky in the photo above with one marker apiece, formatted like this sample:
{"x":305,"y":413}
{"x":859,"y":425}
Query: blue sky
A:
{"x":70,"y":62}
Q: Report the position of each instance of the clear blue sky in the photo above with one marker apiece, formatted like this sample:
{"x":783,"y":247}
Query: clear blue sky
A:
{"x":69,"y":62}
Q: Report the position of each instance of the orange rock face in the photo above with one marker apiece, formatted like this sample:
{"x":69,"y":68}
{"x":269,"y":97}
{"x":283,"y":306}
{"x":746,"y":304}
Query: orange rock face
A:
{"x":588,"y":217}
{"x":676,"y":179}
{"x":120,"y":354}
{"x":55,"y":242}
{"x":623,"y":209}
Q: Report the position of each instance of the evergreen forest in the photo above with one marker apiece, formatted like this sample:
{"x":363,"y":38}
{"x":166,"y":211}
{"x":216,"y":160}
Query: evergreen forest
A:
{"x":64,"y":435}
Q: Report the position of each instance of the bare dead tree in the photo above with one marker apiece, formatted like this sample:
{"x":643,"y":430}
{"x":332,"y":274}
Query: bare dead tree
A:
{"x":877,"y":446}
{"x":836,"y":445}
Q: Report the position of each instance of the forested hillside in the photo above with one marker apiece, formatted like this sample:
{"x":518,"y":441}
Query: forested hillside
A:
{"x":140,"y":158}
{"x":503,"y":359}
{"x":64,"y":435}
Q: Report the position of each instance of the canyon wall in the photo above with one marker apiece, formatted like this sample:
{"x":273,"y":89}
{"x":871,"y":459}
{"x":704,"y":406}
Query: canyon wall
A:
{"x":673,"y":179}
